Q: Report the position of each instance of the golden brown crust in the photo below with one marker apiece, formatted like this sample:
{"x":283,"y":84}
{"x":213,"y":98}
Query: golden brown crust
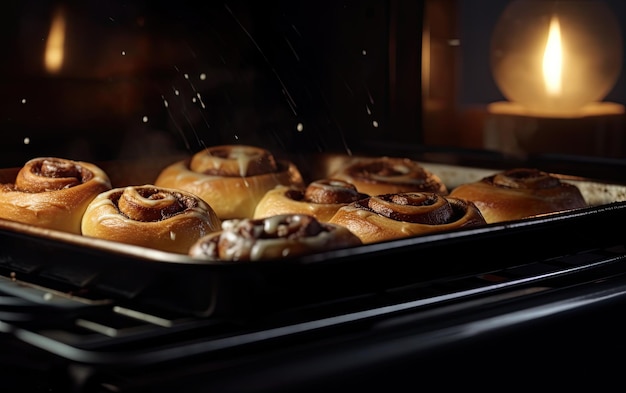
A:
{"x":280,"y":236}
{"x":234,"y":160}
{"x":149,"y":216}
{"x":395,"y":216}
{"x":53,"y":193}
{"x":232,"y":179}
{"x":320,"y":199}
{"x":520,"y":193}
{"x":389,"y":175}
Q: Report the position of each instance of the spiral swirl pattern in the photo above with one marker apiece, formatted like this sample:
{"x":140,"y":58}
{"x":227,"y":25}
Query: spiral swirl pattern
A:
{"x":520,"y":193}
{"x":390,"y":175}
{"x":524,"y":178}
{"x":150,"y":216}
{"x":394,"y":216}
{"x":52,"y":192}
{"x":328,"y":191}
{"x":234,"y":160}
{"x":231,"y":178}
{"x":320,"y":199}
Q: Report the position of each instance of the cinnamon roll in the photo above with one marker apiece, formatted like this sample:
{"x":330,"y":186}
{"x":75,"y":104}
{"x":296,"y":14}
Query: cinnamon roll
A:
{"x":52,"y":193}
{"x":394,"y":216}
{"x":389,"y":175}
{"x":320,"y":199}
{"x":230,"y":178}
{"x":149,"y":216}
{"x":520,"y":193}
{"x":280,"y":236}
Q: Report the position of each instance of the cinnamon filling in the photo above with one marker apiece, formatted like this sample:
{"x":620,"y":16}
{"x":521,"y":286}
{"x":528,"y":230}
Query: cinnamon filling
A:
{"x":331,"y":191}
{"x":150,"y":204}
{"x":387,"y":168}
{"x":51,"y":175}
{"x":234,"y":160}
{"x":524,"y":178}
{"x":418,"y":208}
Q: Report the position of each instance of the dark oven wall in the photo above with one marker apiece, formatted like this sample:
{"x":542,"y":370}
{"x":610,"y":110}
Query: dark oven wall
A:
{"x":143,"y":78}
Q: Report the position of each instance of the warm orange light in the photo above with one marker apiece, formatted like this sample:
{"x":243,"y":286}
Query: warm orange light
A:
{"x":553,"y":59}
{"x":556,"y":58}
{"x":54,"y":53}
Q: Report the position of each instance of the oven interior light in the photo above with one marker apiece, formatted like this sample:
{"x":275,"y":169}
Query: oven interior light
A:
{"x":55,"y":42}
{"x":556,"y":58}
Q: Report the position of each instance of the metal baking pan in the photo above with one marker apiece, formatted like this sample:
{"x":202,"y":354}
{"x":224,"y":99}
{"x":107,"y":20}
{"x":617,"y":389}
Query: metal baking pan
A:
{"x":59,"y":265}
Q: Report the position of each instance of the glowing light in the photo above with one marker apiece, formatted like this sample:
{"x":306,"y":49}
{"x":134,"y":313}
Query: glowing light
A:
{"x":556,"y":61}
{"x":553,"y":59}
{"x":23,"y":100}
{"x":54,"y":52}
{"x":144,"y":119}
{"x":26,"y":140}
{"x":300,"y":127}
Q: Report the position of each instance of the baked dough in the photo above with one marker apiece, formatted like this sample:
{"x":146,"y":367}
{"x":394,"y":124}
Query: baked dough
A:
{"x":52,"y":193}
{"x":394,"y":216}
{"x":232,"y":179}
{"x":320,"y":199}
{"x":389,"y":175}
{"x":520,"y":193}
{"x":149,"y":216}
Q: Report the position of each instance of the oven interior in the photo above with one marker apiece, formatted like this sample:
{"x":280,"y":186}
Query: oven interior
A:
{"x":142,"y":84}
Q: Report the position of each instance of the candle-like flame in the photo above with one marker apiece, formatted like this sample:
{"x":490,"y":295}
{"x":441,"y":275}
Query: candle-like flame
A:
{"x":553,"y":59}
{"x":53,"y":55}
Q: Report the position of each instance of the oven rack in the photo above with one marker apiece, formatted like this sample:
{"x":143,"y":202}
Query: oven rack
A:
{"x":109,"y":332}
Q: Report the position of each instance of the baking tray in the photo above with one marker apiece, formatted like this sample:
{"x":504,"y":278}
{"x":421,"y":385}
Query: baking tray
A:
{"x":58,"y":265}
